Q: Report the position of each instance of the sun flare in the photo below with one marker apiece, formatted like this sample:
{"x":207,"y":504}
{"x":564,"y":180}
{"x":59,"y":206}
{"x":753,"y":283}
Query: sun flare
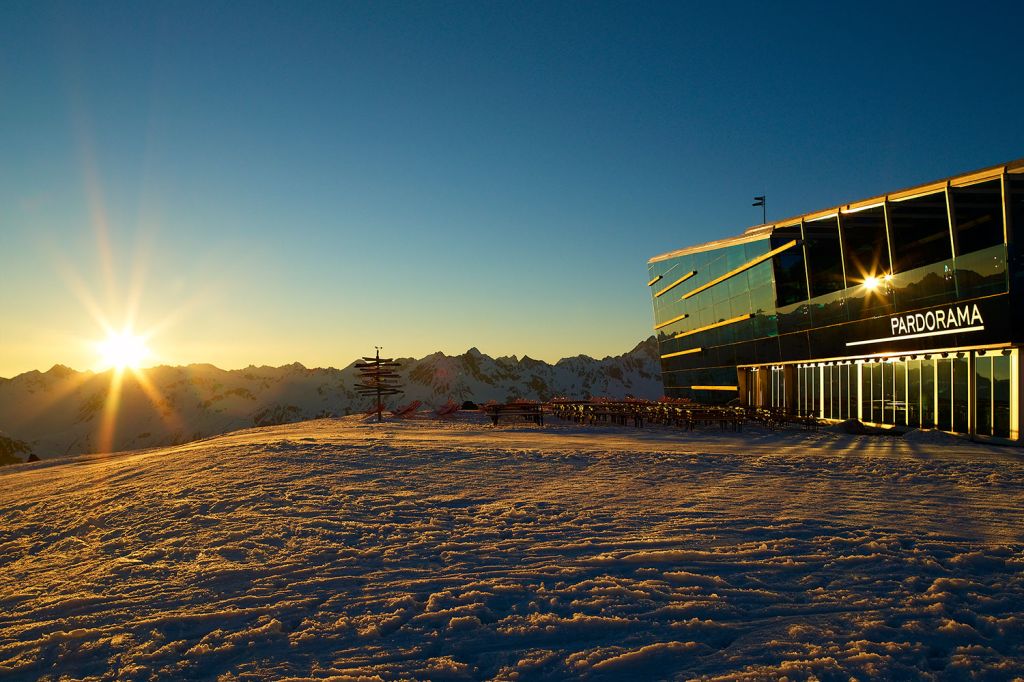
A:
{"x":122,"y":350}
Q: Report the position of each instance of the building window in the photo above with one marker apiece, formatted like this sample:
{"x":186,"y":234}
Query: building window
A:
{"x":865,"y":244}
{"x":778,"y":387}
{"x":865,"y":391}
{"x":919,"y":229}
{"x":826,"y":392}
{"x":899,"y":401}
{"x":978,"y":216}
{"x":851,"y":386}
{"x":1015,"y":200}
{"x":927,"y":393}
{"x":808,"y":391}
{"x":944,"y":391}
{"x":914,"y":393}
{"x":866,"y":250}
{"x":960,"y":394}
{"x":992,"y":388}
{"x":877,"y":398}
{"x":789,"y":270}
{"x":824,"y":256}
{"x":1001,"y":392}
{"x":983,"y":396}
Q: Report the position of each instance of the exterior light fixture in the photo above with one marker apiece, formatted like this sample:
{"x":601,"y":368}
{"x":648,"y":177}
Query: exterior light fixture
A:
{"x":870,"y":282}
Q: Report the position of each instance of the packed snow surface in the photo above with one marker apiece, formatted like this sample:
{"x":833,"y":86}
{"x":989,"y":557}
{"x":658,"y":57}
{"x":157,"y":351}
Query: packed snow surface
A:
{"x":421,"y":549}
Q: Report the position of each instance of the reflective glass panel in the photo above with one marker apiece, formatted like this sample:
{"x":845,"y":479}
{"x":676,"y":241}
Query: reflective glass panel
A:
{"x":798,"y":394}
{"x":876,"y":393}
{"x":1015,"y":209}
{"x":779,"y":393}
{"x":851,"y":391}
{"x":829,"y":309}
{"x":835,"y":391}
{"x":824,"y":256}
{"x":1001,"y":396}
{"x":914,"y":393}
{"x":978,"y":216}
{"x":793,"y":318}
{"x":1015,"y":198}
{"x":762,"y":297}
{"x":790,"y":276}
{"x":865,"y":392}
{"x":961,"y":407}
{"x":983,"y":395}
{"x":899,"y":403}
{"x":812,"y":390}
{"x":944,"y":385}
{"x":842,"y":390}
{"x":888,"y":386}
{"x":812,"y":377}
{"x":826,"y":392}
{"x":799,"y":378}
{"x":981,"y":272}
{"x":923,"y":287}
{"x":869,"y":300}
{"x":919,"y":229}
{"x":865,"y":244}
{"x":927,"y":393}
{"x":816,"y":384}
{"x":866,"y":250}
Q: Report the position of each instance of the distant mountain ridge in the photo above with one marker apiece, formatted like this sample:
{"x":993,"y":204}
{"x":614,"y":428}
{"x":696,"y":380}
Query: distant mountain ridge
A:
{"x":61,"y":411}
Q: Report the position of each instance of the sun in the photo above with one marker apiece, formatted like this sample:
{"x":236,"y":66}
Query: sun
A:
{"x":122,"y":350}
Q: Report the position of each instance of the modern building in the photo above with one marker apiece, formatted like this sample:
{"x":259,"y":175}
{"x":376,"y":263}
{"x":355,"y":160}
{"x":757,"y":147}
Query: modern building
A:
{"x":902,"y":309}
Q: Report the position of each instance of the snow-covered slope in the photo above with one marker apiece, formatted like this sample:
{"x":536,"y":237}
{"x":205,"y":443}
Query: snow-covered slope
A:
{"x":62,"y":411}
{"x":345,"y":550}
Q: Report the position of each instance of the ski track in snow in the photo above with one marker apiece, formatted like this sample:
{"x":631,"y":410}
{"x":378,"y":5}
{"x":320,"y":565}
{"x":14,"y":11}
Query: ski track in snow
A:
{"x":426,"y":550}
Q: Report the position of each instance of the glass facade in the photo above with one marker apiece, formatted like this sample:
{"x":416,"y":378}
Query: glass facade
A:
{"x":896,"y":311}
{"x":919,"y":391}
{"x":821,"y":243}
{"x":919,"y":231}
{"x":708,"y":332}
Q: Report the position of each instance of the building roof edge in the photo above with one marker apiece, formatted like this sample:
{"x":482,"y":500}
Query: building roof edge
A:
{"x":765,"y":230}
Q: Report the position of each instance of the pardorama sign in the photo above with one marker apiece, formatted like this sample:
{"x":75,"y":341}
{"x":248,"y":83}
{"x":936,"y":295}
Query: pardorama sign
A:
{"x":951,"y":320}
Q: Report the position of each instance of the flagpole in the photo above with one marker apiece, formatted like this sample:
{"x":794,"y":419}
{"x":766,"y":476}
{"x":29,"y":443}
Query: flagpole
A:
{"x":760,"y":201}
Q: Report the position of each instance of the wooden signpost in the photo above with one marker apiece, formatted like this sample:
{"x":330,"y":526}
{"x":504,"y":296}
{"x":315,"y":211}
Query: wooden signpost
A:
{"x":378,"y":378}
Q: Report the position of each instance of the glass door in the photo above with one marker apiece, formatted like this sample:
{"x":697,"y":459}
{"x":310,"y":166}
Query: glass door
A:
{"x":995,"y":390}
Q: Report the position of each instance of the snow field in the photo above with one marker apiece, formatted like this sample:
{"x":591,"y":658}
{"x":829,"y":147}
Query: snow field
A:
{"x":422,"y":550}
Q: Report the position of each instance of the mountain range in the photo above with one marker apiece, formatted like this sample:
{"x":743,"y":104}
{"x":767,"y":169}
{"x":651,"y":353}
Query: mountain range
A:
{"x":63,"y":411}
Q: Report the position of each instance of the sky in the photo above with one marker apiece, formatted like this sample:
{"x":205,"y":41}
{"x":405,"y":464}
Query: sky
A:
{"x":265,"y":183}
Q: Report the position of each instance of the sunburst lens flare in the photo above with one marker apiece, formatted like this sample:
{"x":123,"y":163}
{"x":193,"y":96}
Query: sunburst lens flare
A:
{"x":122,"y":350}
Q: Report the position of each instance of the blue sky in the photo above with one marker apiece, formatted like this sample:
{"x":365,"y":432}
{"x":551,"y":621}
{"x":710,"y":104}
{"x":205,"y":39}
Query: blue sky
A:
{"x":274,"y":182}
